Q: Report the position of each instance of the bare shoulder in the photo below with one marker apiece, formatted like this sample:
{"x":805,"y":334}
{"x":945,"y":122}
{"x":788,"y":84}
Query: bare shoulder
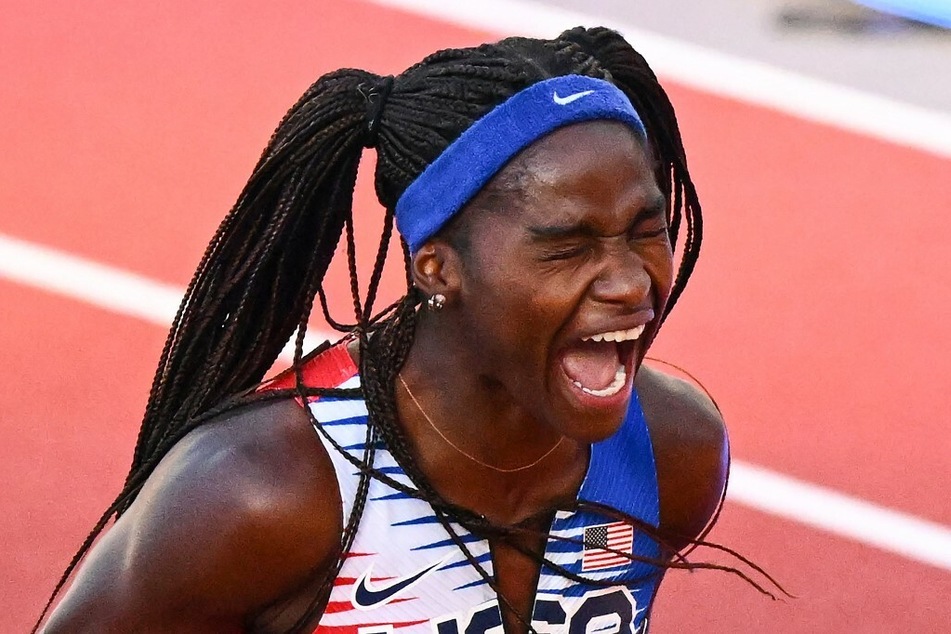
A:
{"x":691,"y":450}
{"x":239,"y":514}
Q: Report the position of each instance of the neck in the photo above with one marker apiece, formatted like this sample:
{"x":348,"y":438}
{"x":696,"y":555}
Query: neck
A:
{"x":447,"y":378}
{"x":479,"y":417}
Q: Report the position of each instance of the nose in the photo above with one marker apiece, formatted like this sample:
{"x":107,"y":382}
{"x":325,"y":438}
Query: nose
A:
{"x":623,"y":279}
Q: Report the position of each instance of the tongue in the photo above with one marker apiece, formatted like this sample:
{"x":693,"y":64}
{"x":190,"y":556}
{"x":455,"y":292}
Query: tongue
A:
{"x":593,"y":364}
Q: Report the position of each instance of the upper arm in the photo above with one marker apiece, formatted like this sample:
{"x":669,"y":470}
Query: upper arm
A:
{"x":236,"y":516}
{"x":691,"y":451}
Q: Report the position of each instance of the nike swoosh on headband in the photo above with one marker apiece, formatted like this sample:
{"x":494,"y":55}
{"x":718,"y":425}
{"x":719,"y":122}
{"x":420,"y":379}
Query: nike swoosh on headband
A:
{"x":366,"y":597}
{"x":564,"y":101}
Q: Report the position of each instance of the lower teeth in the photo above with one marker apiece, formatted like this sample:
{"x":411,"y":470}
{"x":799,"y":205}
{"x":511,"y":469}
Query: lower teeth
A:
{"x":620,"y":378}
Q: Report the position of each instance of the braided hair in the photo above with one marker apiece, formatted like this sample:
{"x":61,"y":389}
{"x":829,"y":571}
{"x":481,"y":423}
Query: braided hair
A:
{"x":263,"y":270}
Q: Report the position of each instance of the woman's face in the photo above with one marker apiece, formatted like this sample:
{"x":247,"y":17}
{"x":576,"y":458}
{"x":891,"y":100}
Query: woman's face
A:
{"x":565,"y":277}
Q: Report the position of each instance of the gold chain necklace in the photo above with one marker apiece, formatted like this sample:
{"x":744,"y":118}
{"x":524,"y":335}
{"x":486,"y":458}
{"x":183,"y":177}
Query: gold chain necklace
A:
{"x":462,"y":451}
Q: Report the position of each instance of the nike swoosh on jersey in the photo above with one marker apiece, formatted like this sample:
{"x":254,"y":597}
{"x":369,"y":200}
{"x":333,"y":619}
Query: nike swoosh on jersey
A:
{"x":564,"y":101}
{"x":366,"y":597}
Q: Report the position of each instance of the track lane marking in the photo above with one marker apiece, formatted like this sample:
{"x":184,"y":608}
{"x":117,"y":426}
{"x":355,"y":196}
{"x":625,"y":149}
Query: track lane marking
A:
{"x":713,"y":72}
{"x":137,"y":296}
{"x":834,"y":512}
{"x":106,"y":287}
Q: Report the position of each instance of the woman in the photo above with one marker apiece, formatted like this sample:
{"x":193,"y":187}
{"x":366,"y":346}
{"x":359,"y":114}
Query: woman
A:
{"x":489,"y":451}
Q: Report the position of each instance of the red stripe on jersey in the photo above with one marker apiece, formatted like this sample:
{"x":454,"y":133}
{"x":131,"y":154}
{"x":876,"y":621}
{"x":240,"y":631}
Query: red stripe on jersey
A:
{"x":338,"y":606}
{"x":334,"y":607}
{"x":330,"y":368}
{"x":354,"y":629}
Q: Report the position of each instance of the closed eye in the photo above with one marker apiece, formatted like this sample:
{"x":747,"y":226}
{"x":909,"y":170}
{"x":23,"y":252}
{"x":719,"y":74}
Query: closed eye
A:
{"x":647,"y":233}
{"x":651,"y":222}
{"x":565,"y":253}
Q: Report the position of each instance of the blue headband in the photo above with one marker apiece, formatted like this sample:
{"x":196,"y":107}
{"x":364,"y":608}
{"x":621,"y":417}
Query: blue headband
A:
{"x":480,"y":152}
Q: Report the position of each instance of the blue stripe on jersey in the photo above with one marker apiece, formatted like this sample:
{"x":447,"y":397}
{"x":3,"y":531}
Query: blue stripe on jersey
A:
{"x":425,"y":519}
{"x":560,"y":523}
{"x":388,"y":470}
{"x":465,"y":538}
{"x":472,"y":584}
{"x":559,"y":546}
{"x":465,"y":562}
{"x":335,"y":399}
{"x":354,"y":420}
{"x":380,"y":446}
{"x":399,"y":495}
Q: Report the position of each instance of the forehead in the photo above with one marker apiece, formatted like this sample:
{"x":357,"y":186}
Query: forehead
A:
{"x":597,"y":168}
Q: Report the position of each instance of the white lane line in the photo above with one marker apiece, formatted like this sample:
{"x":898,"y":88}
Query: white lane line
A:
{"x":893,"y":531}
{"x":136,"y":296}
{"x":109,"y":288}
{"x":714,"y":72}
{"x":106,"y":287}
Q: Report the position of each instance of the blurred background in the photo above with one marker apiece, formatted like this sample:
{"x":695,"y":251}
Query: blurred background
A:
{"x":819,"y":136}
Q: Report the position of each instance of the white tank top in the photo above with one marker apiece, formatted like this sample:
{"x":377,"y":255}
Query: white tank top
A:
{"x":405,"y":574}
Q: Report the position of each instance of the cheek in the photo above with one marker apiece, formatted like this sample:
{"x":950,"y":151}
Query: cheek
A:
{"x":516,"y":315}
{"x":517,"y":306}
{"x":659,"y":262}
{"x":512,"y":287}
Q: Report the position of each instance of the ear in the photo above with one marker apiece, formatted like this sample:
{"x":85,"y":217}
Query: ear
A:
{"x":436,"y":268}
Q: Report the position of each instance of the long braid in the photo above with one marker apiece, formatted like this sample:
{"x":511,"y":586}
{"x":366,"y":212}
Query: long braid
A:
{"x":274,"y":246}
{"x":258,"y":279}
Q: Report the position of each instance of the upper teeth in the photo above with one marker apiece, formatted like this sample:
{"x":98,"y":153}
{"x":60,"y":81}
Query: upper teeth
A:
{"x":617,"y":335}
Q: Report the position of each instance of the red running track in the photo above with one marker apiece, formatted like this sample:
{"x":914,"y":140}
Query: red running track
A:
{"x":817,"y":316}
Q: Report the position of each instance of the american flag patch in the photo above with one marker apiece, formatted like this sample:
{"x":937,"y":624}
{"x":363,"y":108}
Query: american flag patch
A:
{"x":617,"y":535}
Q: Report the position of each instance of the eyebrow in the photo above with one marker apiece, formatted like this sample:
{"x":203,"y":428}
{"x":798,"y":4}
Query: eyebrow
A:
{"x":656,"y":207}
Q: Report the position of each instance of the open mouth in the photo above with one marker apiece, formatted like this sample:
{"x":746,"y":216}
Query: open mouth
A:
{"x":599,"y":364}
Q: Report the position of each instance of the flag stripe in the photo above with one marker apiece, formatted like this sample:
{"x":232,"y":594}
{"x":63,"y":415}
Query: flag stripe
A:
{"x":617,"y":536}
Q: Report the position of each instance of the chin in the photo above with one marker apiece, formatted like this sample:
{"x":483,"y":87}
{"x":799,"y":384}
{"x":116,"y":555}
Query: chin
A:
{"x":598,"y":429}
{"x":593,"y":423}
{"x":588,"y":417}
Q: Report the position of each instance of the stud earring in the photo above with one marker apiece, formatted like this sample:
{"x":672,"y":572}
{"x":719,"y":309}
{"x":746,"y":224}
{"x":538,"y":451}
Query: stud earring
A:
{"x":436,"y":302}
